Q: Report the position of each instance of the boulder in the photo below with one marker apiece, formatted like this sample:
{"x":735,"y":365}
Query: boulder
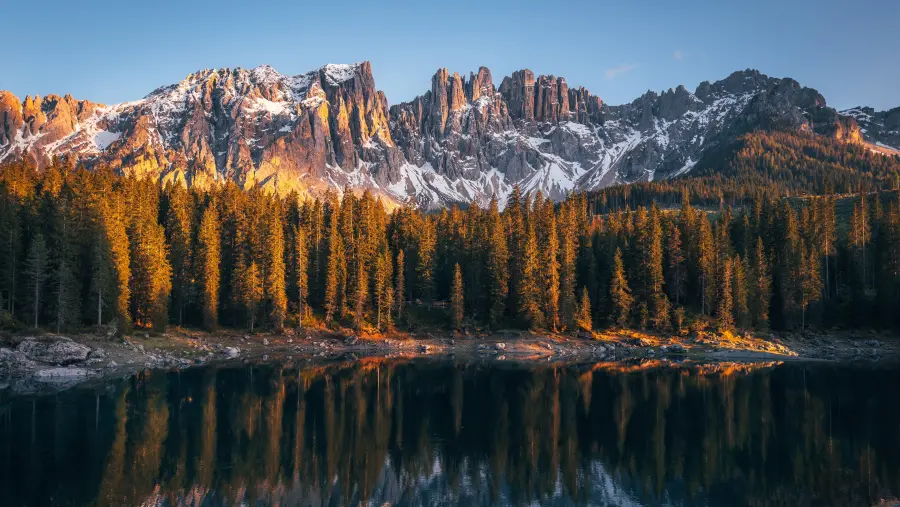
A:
{"x":58,"y":352}
{"x":675,"y":348}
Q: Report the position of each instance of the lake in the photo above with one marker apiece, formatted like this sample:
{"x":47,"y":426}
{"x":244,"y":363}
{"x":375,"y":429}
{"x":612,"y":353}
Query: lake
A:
{"x":439,"y":432}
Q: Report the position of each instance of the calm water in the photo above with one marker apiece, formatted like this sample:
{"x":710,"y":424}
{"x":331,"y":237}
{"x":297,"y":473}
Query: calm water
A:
{"x":444,"y":433}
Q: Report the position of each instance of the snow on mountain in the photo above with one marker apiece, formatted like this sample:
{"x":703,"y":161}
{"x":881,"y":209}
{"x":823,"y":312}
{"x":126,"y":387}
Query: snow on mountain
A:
{"x":464,"y":140}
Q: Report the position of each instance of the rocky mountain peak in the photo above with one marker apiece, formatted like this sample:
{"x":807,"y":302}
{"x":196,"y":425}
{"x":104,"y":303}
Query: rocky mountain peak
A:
{"x":463,"y":140}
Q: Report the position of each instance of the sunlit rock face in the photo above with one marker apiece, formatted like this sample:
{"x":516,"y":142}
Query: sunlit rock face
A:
{"x":881,"y":128}
{"x":466,"y":139}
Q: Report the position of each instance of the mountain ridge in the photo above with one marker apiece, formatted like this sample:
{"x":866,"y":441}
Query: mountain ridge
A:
{"x":463,"y":140}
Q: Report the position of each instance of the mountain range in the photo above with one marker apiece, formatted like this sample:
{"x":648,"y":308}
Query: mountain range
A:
{"x":464,"y":140}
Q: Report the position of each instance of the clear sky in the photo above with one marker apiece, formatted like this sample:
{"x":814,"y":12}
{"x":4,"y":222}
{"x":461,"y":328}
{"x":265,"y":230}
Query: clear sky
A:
{"x":113,"y":51}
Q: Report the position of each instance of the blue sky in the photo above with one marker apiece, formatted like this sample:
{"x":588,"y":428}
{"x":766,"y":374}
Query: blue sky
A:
{"x":116,"y":51}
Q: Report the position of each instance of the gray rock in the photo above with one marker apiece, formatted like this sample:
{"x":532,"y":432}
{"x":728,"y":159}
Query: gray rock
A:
{"x":58,"y":352}
{"x":61,"y":373}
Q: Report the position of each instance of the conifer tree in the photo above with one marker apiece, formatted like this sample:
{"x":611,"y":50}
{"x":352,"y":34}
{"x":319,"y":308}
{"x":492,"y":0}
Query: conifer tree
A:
{"x":675,"y":280}
{"x":178,"y":234}
{"x":739,"y":291}
{"x":36,"y":271}
{"x":333,"y":269}
{"x":301,"y":272}
{"x":548,"y":268}
{"x":383,"y":290}
{"x":810,"y":282}
{"x":399,"y":294}
{"x":725,"y":306}
{"x":272,"y":266}
{"x":761,"y":287}
{"x":707,"y":267}
{"x":115,"y":252}
{"x":456,"y":299}
{"x":102,"y":284}
{"x":497,"y":266}
{"x":659,"y":305}
{"x":425,"y":260}
{"x":567,"y":249}
{"x":151,"y":275}
{"x":252,"y":293}
{"x":619,"y":292}
{"x":208,"y":264}
{"x":583,"y":320}
{"x":529,"y":310}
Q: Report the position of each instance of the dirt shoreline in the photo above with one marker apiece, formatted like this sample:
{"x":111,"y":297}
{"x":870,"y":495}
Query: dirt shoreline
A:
{"x":51,"y":362}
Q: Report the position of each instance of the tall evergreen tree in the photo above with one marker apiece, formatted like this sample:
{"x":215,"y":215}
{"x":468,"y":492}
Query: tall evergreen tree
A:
{"x":36,"y":271}
{"x":208,"y":266}
{"x":725,"y":305}
{"x":567,"y":252}
{"x":178,"y":234}
{"x":497,"y":266}
{"x":301,"y":272}
{"x":761,"y":287}
{"x":399,"y":287}
{"x":583,"y":320}
{"x":548,"y":268}
{"x":456,"y":299}
{"x":619,"y":292}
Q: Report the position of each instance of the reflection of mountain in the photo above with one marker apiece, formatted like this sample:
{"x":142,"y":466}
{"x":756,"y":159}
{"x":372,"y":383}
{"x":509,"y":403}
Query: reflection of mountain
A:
{"x":425,"y":433}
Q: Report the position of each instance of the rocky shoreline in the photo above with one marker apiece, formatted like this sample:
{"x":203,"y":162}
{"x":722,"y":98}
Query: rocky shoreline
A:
{"x":51,"y":362}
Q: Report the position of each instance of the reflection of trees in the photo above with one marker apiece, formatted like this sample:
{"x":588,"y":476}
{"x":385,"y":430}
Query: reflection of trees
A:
{"x":414,"y":433}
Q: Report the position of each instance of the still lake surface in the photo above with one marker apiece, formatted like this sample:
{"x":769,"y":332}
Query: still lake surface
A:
{"x":439,"y":432}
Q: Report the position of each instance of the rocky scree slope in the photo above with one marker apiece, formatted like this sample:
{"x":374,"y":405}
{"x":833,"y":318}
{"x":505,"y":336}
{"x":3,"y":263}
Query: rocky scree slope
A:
{"x":464,"y":140}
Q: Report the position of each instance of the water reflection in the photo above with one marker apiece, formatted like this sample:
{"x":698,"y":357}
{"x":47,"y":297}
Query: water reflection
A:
{"x":441,"y":433}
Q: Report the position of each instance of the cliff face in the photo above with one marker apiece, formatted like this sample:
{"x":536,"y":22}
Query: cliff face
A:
{"x":463,"y":140}
{"x":881,"y":128}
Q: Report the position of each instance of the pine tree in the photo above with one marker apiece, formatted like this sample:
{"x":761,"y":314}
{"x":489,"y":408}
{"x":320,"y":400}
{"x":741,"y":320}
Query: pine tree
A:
{"x":675,"y":279}
{"x":301,"y":272}
{"x":425,"y":260}
{"x":659,"y":305}
{"x":529,"y":310}
{"x":761,"y":287}
{"x":810,"y":282}
{"x":567,"y":249}
{"x":252,"y":293}
{"x":178,"y":234}
{"x":115,"y":253}
{"x":548,"y":268}
{"x":151,"y":275}
{"x":102,"y":284}
{"x":333,"y":271}
{"x":707,"y":266}
{"x":36,"y":271}
{"x":725,"y":306}
{"x":456,"y":299}
{"x":739,"y":292}
{"x":619,"y":293}
{"x":399,"y":294}
{"x":208,"y":266}
{"x":583,"y":320}
{"x":497,"y":266}
{"x":66,"y":293}
{"x":383,"y":289}
{"x":273,"y":270}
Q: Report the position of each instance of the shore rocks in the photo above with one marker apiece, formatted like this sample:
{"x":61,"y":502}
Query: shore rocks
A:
{"x":60,"y":352}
